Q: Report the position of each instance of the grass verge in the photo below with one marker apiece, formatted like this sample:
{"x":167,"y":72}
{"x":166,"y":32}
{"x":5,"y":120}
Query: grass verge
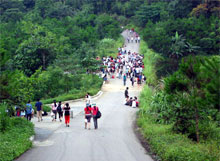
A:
{"x":72,"y":96}
{"x":93,"y":87}
{"x":15,"y":139}
{"x":150,"y":58}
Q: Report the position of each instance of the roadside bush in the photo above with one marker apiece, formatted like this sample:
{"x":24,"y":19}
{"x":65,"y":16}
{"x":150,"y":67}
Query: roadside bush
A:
{"x":170,"y":146}
{"x":109,"y":47}
{"x":4,"y":118}
{"x":161,"y":107}
{"x":183,"y":100}
{"x":150,"y":58}
{"x":88,"y":83}
{"x":15,"y":139}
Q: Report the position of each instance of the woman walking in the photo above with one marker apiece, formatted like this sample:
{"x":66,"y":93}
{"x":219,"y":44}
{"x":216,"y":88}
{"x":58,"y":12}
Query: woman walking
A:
{"x":67,"y":114}
{"x":88,"y":98}
{"x":88,"y":115}
{"x":54,"y":110}
{"x":95,"y":110}
{"x":60,"y":111}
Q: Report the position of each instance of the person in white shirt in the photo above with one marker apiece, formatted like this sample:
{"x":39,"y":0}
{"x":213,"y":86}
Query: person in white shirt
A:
{"x":88,"y":98}
{"x":133,"y":103}
{"x":139,"y":39}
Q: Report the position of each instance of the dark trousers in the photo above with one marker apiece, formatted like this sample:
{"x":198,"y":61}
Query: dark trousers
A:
{"x":124,"y":82}
{"x":28,"y":117}
{"x":55,"y":114}
{"x":95,"y":120}
{"x":60,"y":114}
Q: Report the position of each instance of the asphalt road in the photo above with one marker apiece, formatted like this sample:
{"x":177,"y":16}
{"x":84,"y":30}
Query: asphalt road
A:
{"x":113,"y":141}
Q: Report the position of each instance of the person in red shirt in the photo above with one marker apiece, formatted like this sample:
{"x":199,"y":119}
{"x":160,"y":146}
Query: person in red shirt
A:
{"x":94,"y":113}
{"x":88,"y":115}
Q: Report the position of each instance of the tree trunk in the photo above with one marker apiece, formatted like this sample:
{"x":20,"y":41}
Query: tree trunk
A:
{"x":197,"y":125}
{"x":44,"y":60}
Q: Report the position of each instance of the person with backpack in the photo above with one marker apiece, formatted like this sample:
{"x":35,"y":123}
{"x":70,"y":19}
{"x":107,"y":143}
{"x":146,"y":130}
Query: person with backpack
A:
{"x":67,"y":114}
{"x":54,"y":110}
{"x":88,"y":115}
{"x":60,"y":111}
{"x":95,"y":110}
{"x":28,"y":110}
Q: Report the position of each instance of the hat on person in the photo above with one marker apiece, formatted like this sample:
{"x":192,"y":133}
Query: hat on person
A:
{"x":94,"y":104}
{"x":87,"y":105}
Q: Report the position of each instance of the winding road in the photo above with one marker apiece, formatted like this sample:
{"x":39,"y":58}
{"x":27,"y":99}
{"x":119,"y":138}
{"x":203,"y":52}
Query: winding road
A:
{"x":115,"y":139}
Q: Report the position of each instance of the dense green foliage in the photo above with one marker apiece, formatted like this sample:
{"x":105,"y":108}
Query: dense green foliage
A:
{"x":14,"y":135}
{"x":150,"y":58}
{"x":179,"y":28}
{"x":190,"y":98}
{"x":49,"y":48}
{"x":167,"y":115}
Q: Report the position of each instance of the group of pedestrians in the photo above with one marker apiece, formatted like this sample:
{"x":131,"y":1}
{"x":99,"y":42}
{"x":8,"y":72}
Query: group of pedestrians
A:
{"x":28,"y":111}
{"x":58,"y":109}
{"x":129,"y":101}
{"x":91,"y":111}
{"x":127,"y":65}
{"x":132,"y":36}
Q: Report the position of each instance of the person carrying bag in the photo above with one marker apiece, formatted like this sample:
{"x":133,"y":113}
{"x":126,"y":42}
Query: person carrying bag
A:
{"x":96,"y":115}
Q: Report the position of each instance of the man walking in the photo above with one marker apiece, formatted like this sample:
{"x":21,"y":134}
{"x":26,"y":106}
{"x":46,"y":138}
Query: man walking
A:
{"x":39,"y":107}
{"x":126,"y":93}
{"x":132,"y":80}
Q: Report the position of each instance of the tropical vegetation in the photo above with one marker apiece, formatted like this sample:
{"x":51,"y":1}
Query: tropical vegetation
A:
{"x":50,"y":49}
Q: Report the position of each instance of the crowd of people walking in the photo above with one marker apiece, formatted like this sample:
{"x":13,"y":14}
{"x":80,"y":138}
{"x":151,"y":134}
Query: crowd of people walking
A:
{"x":91,"y":111}
{"x":126,"y":66}
{"x":132,"y":36}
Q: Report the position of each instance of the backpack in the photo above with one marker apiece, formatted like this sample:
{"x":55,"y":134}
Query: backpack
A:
{"x":98,"y":115}
{"x":59,"y":109}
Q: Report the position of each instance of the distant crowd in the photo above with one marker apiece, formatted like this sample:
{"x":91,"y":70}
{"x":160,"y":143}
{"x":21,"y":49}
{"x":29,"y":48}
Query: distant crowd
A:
{"x":126,"y":66}
{"x":132,"y":36}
